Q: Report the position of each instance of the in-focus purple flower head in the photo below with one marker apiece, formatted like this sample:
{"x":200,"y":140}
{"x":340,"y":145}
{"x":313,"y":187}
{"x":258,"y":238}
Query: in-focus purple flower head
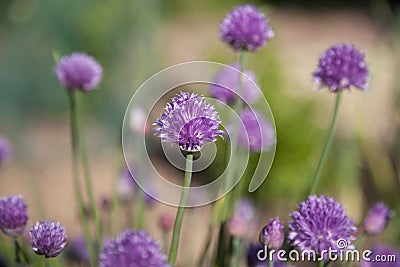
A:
{"x":13,"y":215}
{"x":245,"y":28}
{"x":390,"y":254}
{"x":342,"y":66}
{"x":189,"y":122}
{"x":319,"y":223}
{"x":79,"y":71}
{"x":226,"y":85}
{"x":5,"y":149}
{"x":48,"y":238}
{"x":272,"y":235}
{"x":258,"y":134}
{"x":377,"y":219}
{"x":133,"y":248}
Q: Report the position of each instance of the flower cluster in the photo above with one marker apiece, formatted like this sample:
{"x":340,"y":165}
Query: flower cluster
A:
{"x":79,"y":71}
{"x":245,"y":28}
{"x":342,"y":66}
{"x":228,"y":83}
{"x":13,"y":215}
{"x":48,"y":238}
{"x":272,"y":234}
{"x":377,"y":219}
{"x":189,"y":121}
{"x":319,"y":223}
{"x":133,"y":248}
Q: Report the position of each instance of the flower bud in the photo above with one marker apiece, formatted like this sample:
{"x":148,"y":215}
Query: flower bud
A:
{"x":377,"y":219}
{"x":166,"y":222}
{"x":272,"y":234}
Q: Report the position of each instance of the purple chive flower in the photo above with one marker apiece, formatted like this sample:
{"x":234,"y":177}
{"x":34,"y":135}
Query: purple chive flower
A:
{"x":377,"y":219}
{"x":272,"y":234}
{"x":226,"y":85}
{"x":319,"y":223}
{"x":342,"y":66}
{"x":77,"y":250}
{"x":48,"y":238}
{"x":245,"y":28}
{"x":13,"y":216}
{"x":5,"y":149}
{"x":189,"y":122}
{"x":258,"y":134}
{"x":133,"y":248}
{"x":381,"y":252}
{"x":126,"y":186}
{"x":243,"y":219}
{"x":245,"y":209}
{"x":237,"y":226}
{"x":254,"y":261}
{"x":79,"y":71}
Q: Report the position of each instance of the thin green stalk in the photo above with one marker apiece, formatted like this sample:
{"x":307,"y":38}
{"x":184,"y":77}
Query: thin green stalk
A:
{"x":17,"y":251}
{"x":75,"y":171}
{"x":46,"y":262}
{"x":139,"y":202}
{"x":270,"y":261}
{"x":87,"y":176}
{"x":236,"y":252}
{"x":207,"y":245}
{"x":321,"y":263}
{"x":181,"y":210}
{"x":328,"y":142}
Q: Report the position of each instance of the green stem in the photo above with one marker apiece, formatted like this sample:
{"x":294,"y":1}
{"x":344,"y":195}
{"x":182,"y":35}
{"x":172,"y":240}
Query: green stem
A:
{"x":87,"y":176}
{"x":17,"y":251}
{"x":46,"y":262}
{"x":321,"y":263}
{"x":139,"y":202}
{"x":236,"y":252}
{"x":181,"y":210}
{"x":75,"y":170}
{"x":328,"y":142}
{"x":207,"y":245}
{"x":270,"y":261}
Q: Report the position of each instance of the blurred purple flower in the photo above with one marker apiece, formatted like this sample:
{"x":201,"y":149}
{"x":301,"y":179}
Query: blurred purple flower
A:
{"x":237,"y":226}
{"x":48,"y":238}
{"x":79,"y":71}
{"x":272,"y":235}
{"x":342,"y":66}
{"x":377,"y":219}
{"x":5,"y":149}
{"x":227,"y":82}
{"x":245,"y":209}
{"x":390,"y":254}
{"x":188,"y":121}
{"x":126,"y":186}
{"x":137,"y":121}
{"x":245,"y":28}
{"x":77,"y":250}
{"x":13,"y":215}
{"x":258,"y":134}
{"x":133,"y":248}
{"x":319,"y":223}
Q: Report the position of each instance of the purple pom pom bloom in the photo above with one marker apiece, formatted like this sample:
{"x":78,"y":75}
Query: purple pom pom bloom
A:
{"x":377,"y":219}
{"x":48,"y":238}
{"x":188,"y":121}
{"x":133,"y":248}
{"x":272,"y":234}
{"x":342,"y":66}
{"x":13,"y":216}
{"x":5,"y":149}
{"x":258,"y":134}
{"x":319,"y":223}
{"x":391,"y":255}
{"x":79,"y":71}
{"x":245,"y":28}
{"x":226,"y":86}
